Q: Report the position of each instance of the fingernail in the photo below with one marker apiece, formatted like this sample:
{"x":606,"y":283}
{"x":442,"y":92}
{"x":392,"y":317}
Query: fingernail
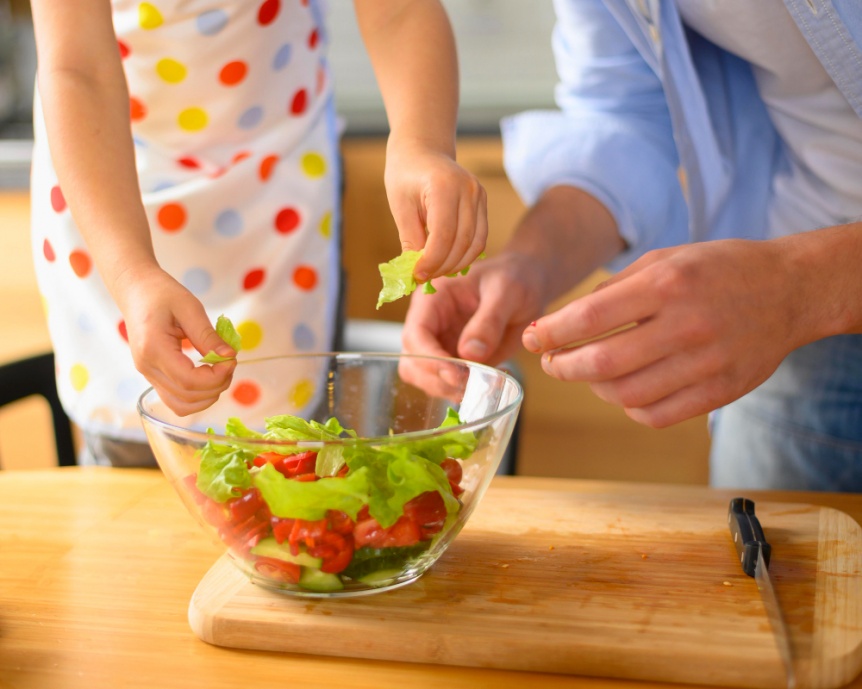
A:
{"x":421,"y":277}
{"x":533,"y":323}
{"x":449,"y":376}
{"x":225,"y":351}
{"x":475,"y":349}
{"x":531,"y":342}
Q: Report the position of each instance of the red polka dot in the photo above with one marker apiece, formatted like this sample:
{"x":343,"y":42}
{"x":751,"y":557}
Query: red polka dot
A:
{"x":239,"y":157}
{"x":171,"y":217}
{"x":305,"y":277}
{"x":233,"y":73}
{"x":80,"y":262}
{"x":138,"y":110}
{"x":287,"y":220}
{"x":48,"y":251}
{"x":253,"y":279}
{"x":121,"y":328}
{"x":321,"y":79}
{"x":189,"y":162}
{"x":313,"y":39}
{"x":58,"y":201}
{"x":267,"y":165}
{"x":124,"y":50}
{"x":246,"y":392}
{"x":299,"y":102}
{"x":268,"y":11}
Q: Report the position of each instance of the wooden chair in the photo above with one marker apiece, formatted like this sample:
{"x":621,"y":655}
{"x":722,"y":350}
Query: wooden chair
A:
{"x":34,"y":375}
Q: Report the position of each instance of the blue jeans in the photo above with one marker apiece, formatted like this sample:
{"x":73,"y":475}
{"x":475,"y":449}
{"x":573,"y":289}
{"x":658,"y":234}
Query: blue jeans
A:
{"x":801,"y":429}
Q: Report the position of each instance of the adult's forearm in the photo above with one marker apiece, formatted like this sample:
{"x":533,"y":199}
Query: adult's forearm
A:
{"x":568,"y":233}
{"x":825,"y":267}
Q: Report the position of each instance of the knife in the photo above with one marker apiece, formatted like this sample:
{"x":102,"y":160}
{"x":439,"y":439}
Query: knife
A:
{"x":754,"y":554}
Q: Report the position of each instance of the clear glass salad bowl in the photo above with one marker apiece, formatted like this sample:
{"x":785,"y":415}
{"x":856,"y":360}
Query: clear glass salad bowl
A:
{"x":338,"y":474}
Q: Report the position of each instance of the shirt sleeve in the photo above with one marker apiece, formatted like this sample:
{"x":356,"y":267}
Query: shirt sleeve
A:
{"x":611,"y":136}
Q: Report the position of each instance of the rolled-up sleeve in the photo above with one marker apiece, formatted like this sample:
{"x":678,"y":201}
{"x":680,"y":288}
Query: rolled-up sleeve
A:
{"x":612,"y":135}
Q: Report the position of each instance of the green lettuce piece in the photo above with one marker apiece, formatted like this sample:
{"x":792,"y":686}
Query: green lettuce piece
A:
{"x":397,"y":277}
{"x":311,"y":499}
{"x":223,"y":472}
{"x":398,"y":280}
{"x":225,"y":330}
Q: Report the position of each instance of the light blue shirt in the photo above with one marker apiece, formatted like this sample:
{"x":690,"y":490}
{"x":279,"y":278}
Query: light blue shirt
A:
{"x":644,"y":102}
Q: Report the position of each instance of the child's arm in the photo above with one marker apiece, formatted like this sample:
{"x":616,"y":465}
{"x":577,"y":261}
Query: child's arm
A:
{"x":86,"y":108}
{"x":413,"y":52}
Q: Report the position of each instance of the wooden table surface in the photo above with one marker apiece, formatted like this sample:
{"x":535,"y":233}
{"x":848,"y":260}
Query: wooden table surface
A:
{"x":97,"y":567}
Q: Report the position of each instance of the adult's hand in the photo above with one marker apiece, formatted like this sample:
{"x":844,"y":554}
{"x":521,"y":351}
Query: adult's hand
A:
{"x":479,"y":316}
{"x":711,"y":321}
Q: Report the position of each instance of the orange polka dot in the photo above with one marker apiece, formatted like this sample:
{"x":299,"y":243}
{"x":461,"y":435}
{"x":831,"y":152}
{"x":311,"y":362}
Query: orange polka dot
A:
{"x":48,"y":251}
{"x":253,"y":278}
{"x":138,"y":110}
{"x":171,"y":217}
{"x":305,"y":277}
{"x":239,"y":157}
{"x":287,"y":220}
{"x":267,"y":165}
{"x":233,"y":73}
{"x":321,"y":79}
{"x":124,"y":50}
{"x":299,"y":102}
{"x":80,"y":262}
{"x":121,"y":328}
{"x":58,"y":201}
{"x":246,"y":392}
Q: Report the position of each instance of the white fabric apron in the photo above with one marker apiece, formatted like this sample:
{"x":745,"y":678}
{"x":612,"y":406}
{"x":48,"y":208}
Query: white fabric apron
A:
{"x":236,"y":146}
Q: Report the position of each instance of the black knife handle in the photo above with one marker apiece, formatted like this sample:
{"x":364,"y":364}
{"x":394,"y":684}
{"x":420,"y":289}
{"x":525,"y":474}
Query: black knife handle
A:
{"x":747,"y":534}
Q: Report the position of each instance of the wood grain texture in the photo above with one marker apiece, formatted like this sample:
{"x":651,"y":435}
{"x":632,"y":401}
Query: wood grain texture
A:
{"x":636,"y":588}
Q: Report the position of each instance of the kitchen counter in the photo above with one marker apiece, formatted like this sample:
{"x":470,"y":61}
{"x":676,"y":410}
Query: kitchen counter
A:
{"x":98,"y":566}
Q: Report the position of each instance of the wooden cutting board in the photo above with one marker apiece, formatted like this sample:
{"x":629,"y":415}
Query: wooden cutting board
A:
{"x":603,"y":585}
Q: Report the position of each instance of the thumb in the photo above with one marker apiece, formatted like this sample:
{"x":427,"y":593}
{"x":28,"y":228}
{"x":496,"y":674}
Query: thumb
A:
{"x":482,"y":338}
{"x":201,"y":333}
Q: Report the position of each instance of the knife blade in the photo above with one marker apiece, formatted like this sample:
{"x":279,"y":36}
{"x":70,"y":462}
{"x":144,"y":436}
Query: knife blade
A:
{"x":754,"y":554}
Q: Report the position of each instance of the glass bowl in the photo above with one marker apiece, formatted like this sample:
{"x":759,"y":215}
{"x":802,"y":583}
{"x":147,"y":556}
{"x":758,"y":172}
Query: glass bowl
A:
{"x":338,"y":474}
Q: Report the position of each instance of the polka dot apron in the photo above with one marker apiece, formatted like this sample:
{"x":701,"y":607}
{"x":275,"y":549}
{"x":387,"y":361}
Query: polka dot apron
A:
{"x":236,"y":150}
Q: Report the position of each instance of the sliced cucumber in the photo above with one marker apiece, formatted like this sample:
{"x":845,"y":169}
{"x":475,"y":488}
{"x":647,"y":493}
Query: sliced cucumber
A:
{"x":269,"y":547}
{"x":381,"y":576}
{"x":312,"y":579}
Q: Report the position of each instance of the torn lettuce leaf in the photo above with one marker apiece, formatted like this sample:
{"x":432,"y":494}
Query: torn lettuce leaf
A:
{"x":225,"y":330}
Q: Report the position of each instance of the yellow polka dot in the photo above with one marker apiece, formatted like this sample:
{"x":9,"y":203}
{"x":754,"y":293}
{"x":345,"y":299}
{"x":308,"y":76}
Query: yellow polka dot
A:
{"x":326,"y":225}
{"x":171,"y":71}
{"x":192,"y":119}
{"x":79,"y":377}
{"x":251,"y":334}
{"x":44,"y":304}
{"x":149,"y":16}
{"x":301,"y":393}
{"x":313,"y":165}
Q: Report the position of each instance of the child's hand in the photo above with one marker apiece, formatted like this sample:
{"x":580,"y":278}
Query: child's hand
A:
{"x":437,"y":205}
{"x":160,"y":313}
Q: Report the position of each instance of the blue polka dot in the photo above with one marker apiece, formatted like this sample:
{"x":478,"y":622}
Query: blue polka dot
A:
{"x":162,"y":185}
{"x":209,"y":23}
{"x":130,"y":389}
{"x":303,"y":338}
{"x":140,"y":143}
{"x":282,"y":57}
{"x":229,"y":223}
{"x":86,"y":324}
{"x":198,"y":281}
{"x":251,"y":117}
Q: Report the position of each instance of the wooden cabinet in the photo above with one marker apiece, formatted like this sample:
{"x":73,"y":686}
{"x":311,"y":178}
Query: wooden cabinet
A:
{"x":565,"y":430}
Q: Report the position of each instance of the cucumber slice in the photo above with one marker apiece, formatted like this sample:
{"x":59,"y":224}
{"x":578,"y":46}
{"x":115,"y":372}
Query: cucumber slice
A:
{"x":367,"y":561}
{"x":382,"y":576}
{"x":312,"y":579}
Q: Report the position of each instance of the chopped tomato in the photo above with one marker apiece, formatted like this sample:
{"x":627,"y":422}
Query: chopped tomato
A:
{"x":289,"y":466}
{"x":247,"y":505}
{"x":404,"y":532}
{"x":278,"y":570}
{"x":428,"y":511}
{"x":281,"y":528}
{"x":191,"y":482}
{"x":454,"y":473}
